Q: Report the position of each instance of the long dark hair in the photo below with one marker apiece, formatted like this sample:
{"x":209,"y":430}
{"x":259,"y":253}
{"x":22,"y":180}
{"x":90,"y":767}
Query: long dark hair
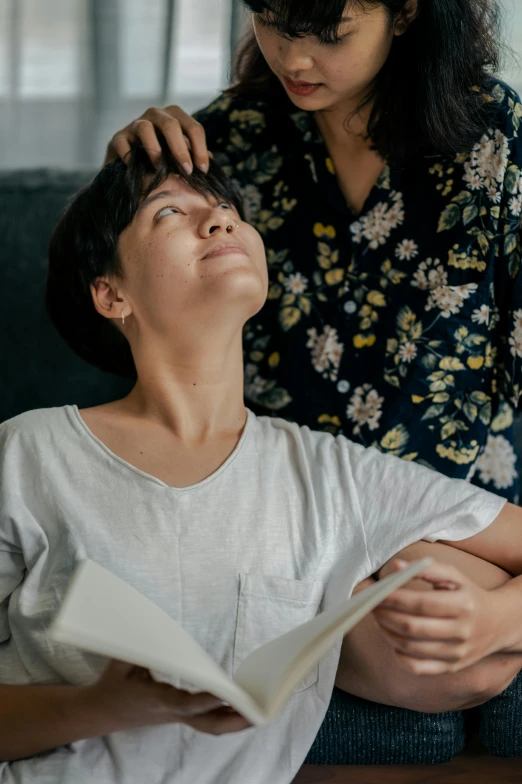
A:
{"x":428,"y":97}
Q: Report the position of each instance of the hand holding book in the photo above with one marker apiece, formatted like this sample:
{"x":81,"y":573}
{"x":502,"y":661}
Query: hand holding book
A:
{"x":103,"y":614}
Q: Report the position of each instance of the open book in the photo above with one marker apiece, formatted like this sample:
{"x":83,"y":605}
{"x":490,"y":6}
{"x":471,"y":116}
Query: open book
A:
{"x":103,"y":614}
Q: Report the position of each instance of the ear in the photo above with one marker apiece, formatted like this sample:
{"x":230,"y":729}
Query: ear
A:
{"x":408,"y":15}
{"x":108,"y":300}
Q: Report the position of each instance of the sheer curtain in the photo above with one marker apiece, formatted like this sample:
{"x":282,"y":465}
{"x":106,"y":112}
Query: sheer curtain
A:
{"x":73,"y":71}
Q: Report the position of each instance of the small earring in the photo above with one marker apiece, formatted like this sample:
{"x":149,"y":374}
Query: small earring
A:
{"x":123,"y":318}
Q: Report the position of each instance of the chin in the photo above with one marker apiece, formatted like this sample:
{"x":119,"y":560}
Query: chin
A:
{"x":310,"y":103}
{"x":242,"y":283}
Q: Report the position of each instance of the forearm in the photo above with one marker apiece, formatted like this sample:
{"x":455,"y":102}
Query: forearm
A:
{"x":34,"y":719}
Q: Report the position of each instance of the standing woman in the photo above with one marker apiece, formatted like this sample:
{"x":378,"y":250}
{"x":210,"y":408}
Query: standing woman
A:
{"x":380,"y":160}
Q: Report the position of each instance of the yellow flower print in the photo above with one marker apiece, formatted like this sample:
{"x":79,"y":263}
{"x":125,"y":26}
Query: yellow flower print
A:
{"x":503,"y":419}
{"x":376,"y":298}
{"x":451,"y":363}
{"x":461,"y":456}
{"x":334,"y":276}
{"x":326,"y":418}
{"x":395,"y":438}
{"x":406,"y":318}
{"x":363,"y":341}
{"x":248,"y":118}
{"x":327,"y":257}
{"x":465,"y":261}
{"x":288,"y":317}
{"x":275,"y":290}
{"x":475,"y":363}
{"x":324,"y":231}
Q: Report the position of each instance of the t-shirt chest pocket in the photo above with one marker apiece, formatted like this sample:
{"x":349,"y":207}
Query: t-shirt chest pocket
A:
{"x":269,"y":607}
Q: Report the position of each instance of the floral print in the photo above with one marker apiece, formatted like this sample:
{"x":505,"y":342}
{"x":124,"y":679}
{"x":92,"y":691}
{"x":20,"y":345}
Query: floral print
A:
{"x":401,"y":326}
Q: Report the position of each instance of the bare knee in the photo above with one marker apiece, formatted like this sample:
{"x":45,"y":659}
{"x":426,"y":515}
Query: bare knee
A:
{"x":485,"y":574}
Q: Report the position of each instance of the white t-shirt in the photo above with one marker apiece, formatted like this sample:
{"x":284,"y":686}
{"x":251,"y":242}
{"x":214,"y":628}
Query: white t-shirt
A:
{"x":288,"y":525}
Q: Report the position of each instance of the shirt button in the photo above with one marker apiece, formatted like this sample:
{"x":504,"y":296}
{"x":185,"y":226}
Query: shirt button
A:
{"x":350,"y":306}
{"x":343,"y":386}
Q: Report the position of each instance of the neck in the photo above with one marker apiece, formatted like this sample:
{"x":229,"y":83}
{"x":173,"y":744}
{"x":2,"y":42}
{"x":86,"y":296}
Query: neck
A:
{"x":195,"y":390}
{"x":339,"y":124}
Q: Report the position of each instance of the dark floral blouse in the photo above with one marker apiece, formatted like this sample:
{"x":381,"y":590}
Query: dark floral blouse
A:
{"x":400,"y":327}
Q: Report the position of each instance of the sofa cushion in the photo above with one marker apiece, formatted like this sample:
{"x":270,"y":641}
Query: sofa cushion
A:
{"x":38,"y":368}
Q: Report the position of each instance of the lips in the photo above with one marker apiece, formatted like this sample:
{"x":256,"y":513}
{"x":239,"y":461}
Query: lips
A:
{"x":301,"y":88}
{"x":223,"y":249}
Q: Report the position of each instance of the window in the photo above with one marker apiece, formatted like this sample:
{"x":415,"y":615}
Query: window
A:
{"x":73,"y":71}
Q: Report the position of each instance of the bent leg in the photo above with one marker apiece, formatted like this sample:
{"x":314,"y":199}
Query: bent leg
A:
{"x":369,"y":667}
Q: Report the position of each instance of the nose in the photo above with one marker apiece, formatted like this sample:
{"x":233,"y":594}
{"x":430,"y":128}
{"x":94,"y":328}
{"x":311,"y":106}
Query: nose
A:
{"x":293,"y":57}
{"x":216,"y":221}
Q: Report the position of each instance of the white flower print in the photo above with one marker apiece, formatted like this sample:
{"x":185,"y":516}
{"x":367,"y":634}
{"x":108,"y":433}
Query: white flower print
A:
{"x":449,"y":299}
{"x":515,"y":204}
{"x":365,"y":408}
{"x":517,"y":319}
{"x":430,"y":275}
{"x":379,"y":223}
{"x":497,"y":463}
{"x":407,"y":352}
{"x":487,"y":165}
{"x":407,"y":250}
{"x":296,"y":283}
{"x":326,"y":351}
{"x":254,"y":384}
{"x":515,"y":341}
{"x":481,"y":315}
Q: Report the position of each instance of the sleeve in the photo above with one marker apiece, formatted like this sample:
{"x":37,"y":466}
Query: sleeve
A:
{"x":402,"y":502}
{"x":12,"y":565}
{"x":243,"y":137}
{"x":508,"y":276}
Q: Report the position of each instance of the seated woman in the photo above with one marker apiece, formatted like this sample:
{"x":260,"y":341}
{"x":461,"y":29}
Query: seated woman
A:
{"x":238,"y":526}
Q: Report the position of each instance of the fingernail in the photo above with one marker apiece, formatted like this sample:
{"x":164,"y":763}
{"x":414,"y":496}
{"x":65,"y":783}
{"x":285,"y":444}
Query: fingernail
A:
{"x":187,"y":167}
{"x":204,"y":167}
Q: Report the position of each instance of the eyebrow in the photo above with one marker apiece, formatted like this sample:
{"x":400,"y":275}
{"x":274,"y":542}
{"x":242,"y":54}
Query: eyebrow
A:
{"x":155,"y":197}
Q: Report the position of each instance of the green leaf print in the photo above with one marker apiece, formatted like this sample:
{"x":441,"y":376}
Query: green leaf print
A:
{"x":433,"y":411}
{"x":512,"y":178}
{"x":464,"y":197}
{"x":449,"y":218}
{"x":470,"y":213}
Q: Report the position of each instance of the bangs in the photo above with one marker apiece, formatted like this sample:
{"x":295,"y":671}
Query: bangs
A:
{"x":141,"y":178}
{"x":298,"y":18}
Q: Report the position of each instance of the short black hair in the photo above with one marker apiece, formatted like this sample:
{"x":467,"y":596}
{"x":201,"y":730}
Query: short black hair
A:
{"x":84,"y":246}
{"x":428,"y":97}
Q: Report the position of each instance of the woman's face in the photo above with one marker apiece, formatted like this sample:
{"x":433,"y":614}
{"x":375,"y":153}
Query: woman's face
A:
{"x":182,"y":270}
{"x":318,"y":75}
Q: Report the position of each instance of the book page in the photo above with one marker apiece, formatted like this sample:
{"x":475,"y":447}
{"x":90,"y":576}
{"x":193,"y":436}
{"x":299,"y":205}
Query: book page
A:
{"x":103,"y":614}
{"x":271,"y":673}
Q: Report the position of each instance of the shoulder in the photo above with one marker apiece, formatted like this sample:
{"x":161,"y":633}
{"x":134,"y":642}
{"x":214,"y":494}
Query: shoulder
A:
{"x":30,"y":431}
{"x":240,"y":131}
{"x":317,"y":446}
{"x":227,"y":109}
